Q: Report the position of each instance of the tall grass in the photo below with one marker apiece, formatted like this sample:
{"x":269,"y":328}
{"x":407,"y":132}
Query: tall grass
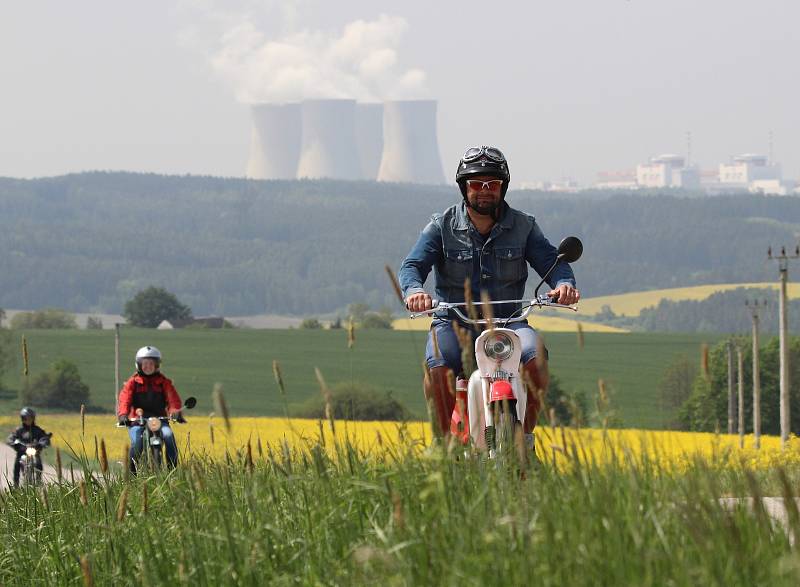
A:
{"x":314,"y":516}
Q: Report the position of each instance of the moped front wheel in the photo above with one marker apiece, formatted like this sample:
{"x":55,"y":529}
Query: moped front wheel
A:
{"x":508,"y":443}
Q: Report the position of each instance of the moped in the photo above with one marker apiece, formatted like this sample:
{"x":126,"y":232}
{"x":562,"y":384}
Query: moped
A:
{"x":31,"y":459}
{"x":152,"y":439}
{"x":491,"y":409}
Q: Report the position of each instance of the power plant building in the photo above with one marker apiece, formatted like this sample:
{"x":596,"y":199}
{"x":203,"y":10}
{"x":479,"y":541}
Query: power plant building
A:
{"x":343,"y":139}
{"x":410,"y":144}
{"x":275,"y":141}
{"x":667,"y":171}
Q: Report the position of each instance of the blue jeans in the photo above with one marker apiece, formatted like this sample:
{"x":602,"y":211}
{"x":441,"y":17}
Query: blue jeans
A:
{"x":450,"y":352}
{"x":136,"y":434}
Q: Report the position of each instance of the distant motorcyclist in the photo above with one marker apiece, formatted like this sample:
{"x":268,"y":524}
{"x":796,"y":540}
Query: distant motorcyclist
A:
{"x":149,"y":390}
{"x":27,"y":433}
{"x":484,"y":241}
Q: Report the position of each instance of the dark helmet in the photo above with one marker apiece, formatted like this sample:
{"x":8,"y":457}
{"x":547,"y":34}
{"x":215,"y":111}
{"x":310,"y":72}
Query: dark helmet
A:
{"x":482,"y":160}
{"x":27,"y":412}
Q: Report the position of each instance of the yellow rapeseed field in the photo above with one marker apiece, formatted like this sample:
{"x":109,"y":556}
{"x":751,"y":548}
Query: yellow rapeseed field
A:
{"x":630,"y":304}
{"x":208,"y":435}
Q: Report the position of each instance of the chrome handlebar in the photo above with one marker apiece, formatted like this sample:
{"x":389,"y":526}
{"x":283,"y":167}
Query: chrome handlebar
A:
{"x":543,"y":301}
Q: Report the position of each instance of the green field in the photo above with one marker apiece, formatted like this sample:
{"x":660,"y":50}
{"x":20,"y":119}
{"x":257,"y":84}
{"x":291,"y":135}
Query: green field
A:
{"x":630,"y":364}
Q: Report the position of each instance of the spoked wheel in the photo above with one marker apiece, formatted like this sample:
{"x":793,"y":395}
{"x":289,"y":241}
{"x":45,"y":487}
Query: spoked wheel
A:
{"x":505,"y":440}
{"x":29,"y":476}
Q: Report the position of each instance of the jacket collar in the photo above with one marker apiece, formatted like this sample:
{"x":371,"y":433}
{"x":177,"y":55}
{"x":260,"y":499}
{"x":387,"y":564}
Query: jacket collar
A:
{"x":141,"y":377}
{"x":461,"y":220}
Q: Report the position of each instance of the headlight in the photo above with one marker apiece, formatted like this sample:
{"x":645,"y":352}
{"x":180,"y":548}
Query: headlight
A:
{"x":498,"y":346}
{"x":30,"y":451}
{"x":153,"y":424}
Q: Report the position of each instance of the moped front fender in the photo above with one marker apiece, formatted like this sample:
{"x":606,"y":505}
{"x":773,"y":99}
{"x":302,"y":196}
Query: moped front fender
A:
{"x":478,"y":405}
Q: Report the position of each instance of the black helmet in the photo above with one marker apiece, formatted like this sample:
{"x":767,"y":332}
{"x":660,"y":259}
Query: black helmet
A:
{"x":482,"y":160}
{"x":27,"y":412}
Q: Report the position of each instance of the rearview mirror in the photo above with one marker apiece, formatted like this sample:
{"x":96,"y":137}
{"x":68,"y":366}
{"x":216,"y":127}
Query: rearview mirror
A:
{"x":570,"y":249}
{"x":190,"y":402}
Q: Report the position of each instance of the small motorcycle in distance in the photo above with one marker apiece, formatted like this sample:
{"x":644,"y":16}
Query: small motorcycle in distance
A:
{"x":29,"y":473}
{"x":495,"y":396}
{"x":152,"y":439}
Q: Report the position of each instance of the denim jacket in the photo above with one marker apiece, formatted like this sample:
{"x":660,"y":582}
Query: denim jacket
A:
{"x":497,"y":263}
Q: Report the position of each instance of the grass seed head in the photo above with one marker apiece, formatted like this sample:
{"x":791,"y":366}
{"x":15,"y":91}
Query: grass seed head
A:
{"x":351,"y":333}
{"x":82,"y":490}
{"x":122,"y":505}
{"x":276,"y":372}
{"x":486,"y":309}
{"x":24,"y":356}
{"x":103,"y":457}
{"x":468,"y":299}
{"x":435,"y":341}
{"x":220,"y":405}
{"x":328,"y":397}
{"x":86,"y":571}
{"x":395,"y":284}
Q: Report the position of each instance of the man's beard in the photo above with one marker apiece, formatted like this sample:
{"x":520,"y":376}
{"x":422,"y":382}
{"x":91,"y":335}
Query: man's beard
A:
{"x":487,"y":208}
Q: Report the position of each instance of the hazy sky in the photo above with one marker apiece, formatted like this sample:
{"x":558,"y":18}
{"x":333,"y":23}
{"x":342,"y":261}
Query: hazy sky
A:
{"x":565,"y":88}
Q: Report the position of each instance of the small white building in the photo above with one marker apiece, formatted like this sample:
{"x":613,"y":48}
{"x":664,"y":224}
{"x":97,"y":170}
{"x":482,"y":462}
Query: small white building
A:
{"x":616,"y":180}
{"x":667,"y":171}
{"x":756,"y":174}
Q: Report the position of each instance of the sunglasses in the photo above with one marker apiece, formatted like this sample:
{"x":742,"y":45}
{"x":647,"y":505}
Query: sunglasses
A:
{"x":478,"y":184}
{"x":492,"y":153}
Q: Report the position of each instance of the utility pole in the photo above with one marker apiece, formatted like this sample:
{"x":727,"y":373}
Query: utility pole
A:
{"x":731,"y":406}
{"x":783,"y":267}
{"x":740,"y":373}
{"x":756,"y":374}
{"x":116,"y":367}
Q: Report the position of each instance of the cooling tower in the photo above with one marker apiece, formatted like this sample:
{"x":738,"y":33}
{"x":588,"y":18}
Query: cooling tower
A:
{"x":329,"y":147}
{"x":369,"y":137}
{"x":275,"y":141}
{"x":410,"y":146}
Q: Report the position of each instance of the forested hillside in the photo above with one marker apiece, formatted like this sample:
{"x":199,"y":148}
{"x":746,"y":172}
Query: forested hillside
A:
{"x":231,"y":246}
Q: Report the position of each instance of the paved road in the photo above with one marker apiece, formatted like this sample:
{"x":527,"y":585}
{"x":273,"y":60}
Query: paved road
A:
{"x":7,"y":456}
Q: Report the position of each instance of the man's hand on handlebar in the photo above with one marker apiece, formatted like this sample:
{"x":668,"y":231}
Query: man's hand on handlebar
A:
{"x":419,"y":302}
{"x":565,"y":294}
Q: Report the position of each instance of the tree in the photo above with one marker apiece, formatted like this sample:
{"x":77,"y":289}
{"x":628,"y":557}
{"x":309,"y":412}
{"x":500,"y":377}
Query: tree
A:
{"x":151,"y":306}
{"x":94,"y":323}
{"x":356,"y":401}
{"x":2,"y":316}
{"x":675,"y":388}
{"x":357,"y":311}
{"x":380,"y":319}
{"x":49,"y":318}
{"x":707,"y":406}
{"x":568,"y":409}
{"x":311,"y":324}
{"x":59,"y":387}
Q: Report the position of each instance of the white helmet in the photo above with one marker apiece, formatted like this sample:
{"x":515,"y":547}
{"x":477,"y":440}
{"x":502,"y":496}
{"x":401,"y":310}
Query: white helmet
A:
{"x":148,"y":352}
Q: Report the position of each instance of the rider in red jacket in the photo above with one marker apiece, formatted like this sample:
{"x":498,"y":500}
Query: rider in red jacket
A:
{"x":149,"y":390}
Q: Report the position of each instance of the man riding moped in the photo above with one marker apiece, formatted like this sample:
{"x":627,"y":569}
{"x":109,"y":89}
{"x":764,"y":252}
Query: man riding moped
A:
{"x":484,"y":241}
{"x":28,"y":434}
